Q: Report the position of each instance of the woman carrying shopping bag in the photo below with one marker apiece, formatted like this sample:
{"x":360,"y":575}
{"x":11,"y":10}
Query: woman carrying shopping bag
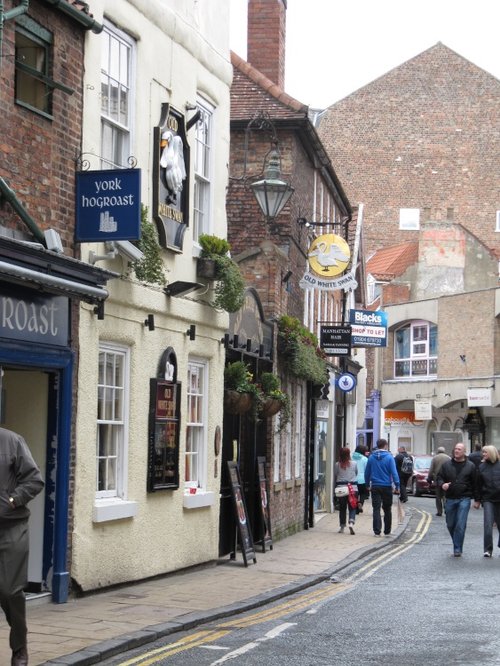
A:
{"x":346,"y":489}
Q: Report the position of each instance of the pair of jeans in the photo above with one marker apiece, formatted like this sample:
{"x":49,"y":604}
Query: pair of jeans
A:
{"x":491,"y":514}
{"x":14,"y":546}
{"x":457,"y":511}
{"x":343,"y":507}
{"x":382,"y":498}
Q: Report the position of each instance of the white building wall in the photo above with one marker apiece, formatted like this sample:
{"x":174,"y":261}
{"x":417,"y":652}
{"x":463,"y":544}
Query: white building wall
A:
{"x":182,"y":51}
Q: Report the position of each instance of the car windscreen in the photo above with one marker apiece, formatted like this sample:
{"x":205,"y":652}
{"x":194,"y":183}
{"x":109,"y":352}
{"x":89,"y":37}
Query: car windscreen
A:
{"x":422,"y":463}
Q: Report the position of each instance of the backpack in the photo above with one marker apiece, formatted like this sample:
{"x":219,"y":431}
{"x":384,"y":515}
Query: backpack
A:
{"x":407,"y":464}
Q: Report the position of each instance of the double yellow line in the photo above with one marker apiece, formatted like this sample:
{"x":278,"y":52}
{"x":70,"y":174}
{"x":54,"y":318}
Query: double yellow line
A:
{"x":286,"y":608}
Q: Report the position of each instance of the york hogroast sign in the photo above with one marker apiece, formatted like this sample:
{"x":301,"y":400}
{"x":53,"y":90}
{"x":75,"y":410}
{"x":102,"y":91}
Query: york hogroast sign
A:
{"x":108,"y":205}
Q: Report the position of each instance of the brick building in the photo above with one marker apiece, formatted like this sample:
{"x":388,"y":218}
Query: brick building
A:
{"x":273,"y":256}
{"x":42,"y":280}
{"x":420,"y":148}
{"x":421,"y":143}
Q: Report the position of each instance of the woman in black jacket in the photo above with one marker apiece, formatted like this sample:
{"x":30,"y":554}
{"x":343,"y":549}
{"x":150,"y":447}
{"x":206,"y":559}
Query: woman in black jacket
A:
{"x":489,"y":490}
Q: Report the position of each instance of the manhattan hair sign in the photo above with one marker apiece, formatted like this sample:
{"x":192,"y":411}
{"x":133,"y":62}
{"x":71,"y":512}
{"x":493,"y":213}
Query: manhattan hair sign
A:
{"x":369,"y":329}
{"x":108,"y":205}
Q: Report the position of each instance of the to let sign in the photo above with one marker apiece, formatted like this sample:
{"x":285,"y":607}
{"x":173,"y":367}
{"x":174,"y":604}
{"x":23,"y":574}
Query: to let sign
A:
{"x":108,"y":205}
{"x":335,"y":340}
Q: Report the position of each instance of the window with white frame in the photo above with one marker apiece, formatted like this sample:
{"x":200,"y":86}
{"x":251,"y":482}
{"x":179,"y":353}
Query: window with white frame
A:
{"x":116,"y":96}
{"x":415,"y":350}
{"x":497,"y":227}
{"x":298,"y":431}
{"x":202,"y":223}
{"x":112,"y":426}
{"x":409,"y":218}
{"x":196,"y":428}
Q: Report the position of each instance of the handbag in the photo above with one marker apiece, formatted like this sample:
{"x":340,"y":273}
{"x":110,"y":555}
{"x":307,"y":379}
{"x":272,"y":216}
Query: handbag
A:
{"x":341,"y":491}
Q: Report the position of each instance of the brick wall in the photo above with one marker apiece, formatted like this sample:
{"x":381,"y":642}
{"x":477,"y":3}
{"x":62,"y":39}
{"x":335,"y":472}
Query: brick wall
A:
{"x":266,"y":38}
{"x":38,"y":154}
{"x":426,"y":135}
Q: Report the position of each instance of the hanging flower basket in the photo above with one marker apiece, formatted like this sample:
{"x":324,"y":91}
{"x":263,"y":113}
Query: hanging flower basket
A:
{"x":236,"y":402}
{"x":271,"y":406}
{"x":206,"y":268}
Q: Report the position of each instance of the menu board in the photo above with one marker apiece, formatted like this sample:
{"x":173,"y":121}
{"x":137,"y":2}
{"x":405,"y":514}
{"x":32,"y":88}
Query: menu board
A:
{"x":244,"y":533}
{"x":163,"y":454}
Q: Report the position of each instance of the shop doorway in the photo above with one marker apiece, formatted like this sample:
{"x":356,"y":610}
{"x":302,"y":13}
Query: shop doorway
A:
{"x":26,"y":395}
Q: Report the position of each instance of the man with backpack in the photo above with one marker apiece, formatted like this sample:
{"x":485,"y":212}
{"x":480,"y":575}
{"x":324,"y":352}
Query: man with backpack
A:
{"x":404,"y":465}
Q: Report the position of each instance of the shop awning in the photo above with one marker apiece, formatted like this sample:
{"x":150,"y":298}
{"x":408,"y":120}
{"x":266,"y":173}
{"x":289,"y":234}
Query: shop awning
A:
{"x":31,"y":265}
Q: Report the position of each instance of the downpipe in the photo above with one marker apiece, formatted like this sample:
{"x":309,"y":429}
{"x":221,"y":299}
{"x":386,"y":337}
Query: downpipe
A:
{"x":8,"y":15}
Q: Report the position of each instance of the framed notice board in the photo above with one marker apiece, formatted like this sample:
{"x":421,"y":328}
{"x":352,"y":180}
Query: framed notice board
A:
{"x":240,"y":510}
{"x":267,"y":538}
{"x":164,"y":422}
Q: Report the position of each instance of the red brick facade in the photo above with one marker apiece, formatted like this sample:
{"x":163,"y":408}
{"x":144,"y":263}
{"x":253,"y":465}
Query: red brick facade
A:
{"x":426,"y":135}
{"x":38,"y":153}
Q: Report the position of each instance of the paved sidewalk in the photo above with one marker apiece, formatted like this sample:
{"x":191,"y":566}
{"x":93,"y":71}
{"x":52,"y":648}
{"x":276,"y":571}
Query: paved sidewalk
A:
{"x":90,"y":629}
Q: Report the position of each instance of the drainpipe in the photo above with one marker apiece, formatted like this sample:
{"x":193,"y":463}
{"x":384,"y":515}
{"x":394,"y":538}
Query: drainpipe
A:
{"x":10,"y":196}
{"x":85,"y":20}
{"x":10,"y":14}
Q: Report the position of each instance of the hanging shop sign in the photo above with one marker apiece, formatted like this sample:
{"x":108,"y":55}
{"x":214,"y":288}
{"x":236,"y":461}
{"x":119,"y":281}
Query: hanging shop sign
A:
{"x":108,"y":205}
{"x":328,"y":257}
{"x":479,"y":397}
{"x":335,"y":340}
{"x":346,"y":382}
{"x":369,"y":329}
{"x":423,"y":410}
{"x":171,"y":178}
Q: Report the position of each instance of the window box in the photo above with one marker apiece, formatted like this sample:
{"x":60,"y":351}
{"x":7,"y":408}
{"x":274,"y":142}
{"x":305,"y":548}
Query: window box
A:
{"x":198,"y":500}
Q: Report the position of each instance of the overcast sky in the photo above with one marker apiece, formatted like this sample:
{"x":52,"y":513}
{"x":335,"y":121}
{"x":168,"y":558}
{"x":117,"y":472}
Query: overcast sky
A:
{"x":335,"y":47}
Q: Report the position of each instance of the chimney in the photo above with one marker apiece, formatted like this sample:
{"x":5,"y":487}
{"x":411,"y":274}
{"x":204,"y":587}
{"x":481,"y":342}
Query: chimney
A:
{"x":266,"y":38}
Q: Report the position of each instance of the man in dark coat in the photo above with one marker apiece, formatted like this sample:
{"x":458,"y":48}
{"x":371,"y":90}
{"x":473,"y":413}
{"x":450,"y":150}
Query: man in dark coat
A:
{"x":20,"y":482}
{"x":458,"y":480}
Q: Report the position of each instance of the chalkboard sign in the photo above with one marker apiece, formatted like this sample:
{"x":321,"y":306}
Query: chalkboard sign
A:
{"x":163,"y":454}
{"x":244,"y":533}
{"x":267,"y":538}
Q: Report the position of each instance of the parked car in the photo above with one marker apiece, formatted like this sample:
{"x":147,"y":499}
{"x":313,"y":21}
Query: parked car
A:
{"x":417,"y":484}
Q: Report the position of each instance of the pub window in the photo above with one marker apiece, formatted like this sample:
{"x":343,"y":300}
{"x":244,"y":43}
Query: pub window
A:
{"x":298,"y":431}
{"x":196,"y":428}
{"x":116,"y":96}
{"x":112,"y":424}
{"x":33,"y":50}
{"x":203,"y":170}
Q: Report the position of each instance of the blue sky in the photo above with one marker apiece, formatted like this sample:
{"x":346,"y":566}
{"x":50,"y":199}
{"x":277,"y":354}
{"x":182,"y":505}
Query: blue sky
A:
{"x":335,"y":47}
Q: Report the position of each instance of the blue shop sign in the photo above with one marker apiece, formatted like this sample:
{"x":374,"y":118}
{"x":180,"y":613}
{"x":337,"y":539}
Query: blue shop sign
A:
{"x":108,"y":205}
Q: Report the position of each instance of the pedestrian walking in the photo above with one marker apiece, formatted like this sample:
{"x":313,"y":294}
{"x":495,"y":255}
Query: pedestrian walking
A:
{"x":20,"y":482}
{"x":476,"y":456}
{"x":361,"y":460}
{"x":489,"y":496}
{"x":404,"y":466}
{"x":458,"y":479}
{"x":437,"y":462}
{"x":382,"y":479}
{"x":346,"y":489}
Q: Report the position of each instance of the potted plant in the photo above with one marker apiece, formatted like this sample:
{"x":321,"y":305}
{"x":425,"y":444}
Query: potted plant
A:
{"x":274,"y":399}
{"x":299,"y":351}
{"x":240,"y":392}
{"x":214,"y":262}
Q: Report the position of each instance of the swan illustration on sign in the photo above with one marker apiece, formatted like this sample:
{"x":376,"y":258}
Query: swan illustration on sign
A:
{"x":172,"y":167}
{"x":329,"y":255}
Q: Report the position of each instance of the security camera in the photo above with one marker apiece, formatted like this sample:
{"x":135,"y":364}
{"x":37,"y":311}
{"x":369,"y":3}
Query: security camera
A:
{"x":129,"y":251}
